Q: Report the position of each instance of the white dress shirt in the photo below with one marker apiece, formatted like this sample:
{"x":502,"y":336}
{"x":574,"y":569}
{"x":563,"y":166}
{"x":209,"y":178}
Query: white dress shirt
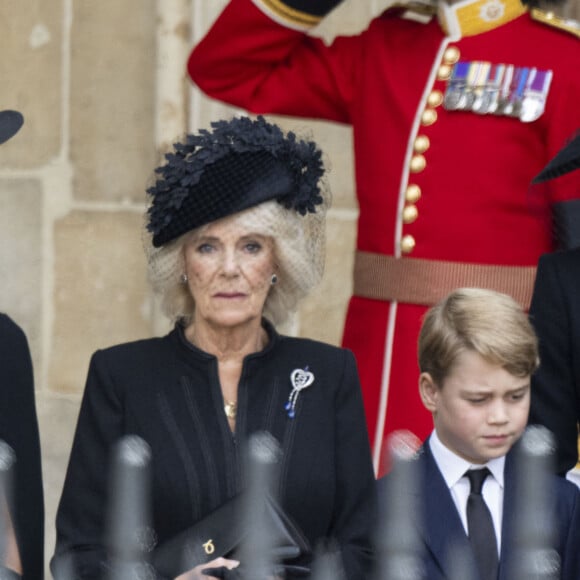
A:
{"x":453,"y":468}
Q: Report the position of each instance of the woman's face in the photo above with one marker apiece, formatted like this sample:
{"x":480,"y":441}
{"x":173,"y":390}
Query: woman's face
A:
{"x":229,"y":270}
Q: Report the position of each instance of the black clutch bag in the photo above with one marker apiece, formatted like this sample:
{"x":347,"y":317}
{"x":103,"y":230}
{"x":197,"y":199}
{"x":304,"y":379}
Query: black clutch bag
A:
{"x":220,"y":534}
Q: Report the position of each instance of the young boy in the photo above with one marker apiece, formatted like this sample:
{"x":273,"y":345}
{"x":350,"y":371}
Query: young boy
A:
{"x":477,"y":352}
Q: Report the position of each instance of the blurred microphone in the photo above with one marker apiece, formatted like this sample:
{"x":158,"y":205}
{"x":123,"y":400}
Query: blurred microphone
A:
{"x":328,"y":564}
{"x":263,"y":458}
{"x":535,"y":557}
{"x":398,"y":541}
{"x":7,"y":461}
{"x":460,"y":566}
{"x":64,"y":568}
{"x":130,"y":536}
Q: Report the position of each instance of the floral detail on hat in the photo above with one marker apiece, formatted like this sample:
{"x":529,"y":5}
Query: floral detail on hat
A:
{"x":187,"y":163}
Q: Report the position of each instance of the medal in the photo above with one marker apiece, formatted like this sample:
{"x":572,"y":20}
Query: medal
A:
{"x":490,"y":95}
{"x":519,"y":80}
{"x":456,"y":86}
{"x":480,"y":87}
{"x":536,"y":93}
{"x":499,"y":89}
{"x":504,"y":92}
{"x":468,"y":97}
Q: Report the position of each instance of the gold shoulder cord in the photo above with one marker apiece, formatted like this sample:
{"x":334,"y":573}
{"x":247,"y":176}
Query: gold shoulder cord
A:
{"x":551,"y":19}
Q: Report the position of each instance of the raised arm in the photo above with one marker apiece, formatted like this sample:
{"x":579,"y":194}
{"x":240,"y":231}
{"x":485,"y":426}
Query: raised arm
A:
{"x":264,"y":64}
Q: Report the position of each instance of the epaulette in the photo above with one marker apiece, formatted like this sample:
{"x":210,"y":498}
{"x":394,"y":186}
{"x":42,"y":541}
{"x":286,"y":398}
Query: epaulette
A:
{"x":551,"y":19}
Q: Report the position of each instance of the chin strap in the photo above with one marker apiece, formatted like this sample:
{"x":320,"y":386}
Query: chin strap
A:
{"x":302,"y":14}
{"x":566,"y":216}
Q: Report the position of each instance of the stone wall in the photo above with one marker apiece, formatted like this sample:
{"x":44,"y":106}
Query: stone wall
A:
{"x":102,"y":86}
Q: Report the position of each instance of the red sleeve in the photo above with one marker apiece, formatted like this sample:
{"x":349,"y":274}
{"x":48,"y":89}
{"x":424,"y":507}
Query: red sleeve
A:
{"x":251,"y":61}
{"x":561,"y":130}
{"x":564,"y":117}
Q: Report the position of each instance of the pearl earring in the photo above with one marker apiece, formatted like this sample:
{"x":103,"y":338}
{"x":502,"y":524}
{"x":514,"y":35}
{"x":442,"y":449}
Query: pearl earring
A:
{"x":274,"y":279}
{"x":184,"y":278}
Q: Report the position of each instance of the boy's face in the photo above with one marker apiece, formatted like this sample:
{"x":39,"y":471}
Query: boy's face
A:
{"x":480,"y":410}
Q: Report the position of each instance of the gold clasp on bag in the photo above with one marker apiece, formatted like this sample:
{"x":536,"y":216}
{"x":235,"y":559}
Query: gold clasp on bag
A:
{"x":209,"y":547}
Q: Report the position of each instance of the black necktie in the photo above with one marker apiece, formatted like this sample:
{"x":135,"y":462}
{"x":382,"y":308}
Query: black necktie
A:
{"x":480,"y":526}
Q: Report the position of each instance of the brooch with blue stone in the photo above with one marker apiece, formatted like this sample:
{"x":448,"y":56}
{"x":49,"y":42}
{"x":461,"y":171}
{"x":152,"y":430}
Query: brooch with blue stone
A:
{"x":300,"y":380}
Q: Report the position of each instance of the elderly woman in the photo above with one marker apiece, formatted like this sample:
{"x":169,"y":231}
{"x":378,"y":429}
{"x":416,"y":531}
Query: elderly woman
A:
{"x":237,"y":238}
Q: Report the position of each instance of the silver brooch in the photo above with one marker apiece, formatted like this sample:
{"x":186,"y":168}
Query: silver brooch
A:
{"x":300,"y":379}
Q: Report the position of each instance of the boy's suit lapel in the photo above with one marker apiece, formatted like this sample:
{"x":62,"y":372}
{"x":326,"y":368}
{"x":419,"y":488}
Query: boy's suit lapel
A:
{"x":442,"y":526}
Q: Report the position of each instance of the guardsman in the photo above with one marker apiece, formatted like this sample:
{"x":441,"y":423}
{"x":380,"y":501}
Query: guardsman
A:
{"x":454,"y":107}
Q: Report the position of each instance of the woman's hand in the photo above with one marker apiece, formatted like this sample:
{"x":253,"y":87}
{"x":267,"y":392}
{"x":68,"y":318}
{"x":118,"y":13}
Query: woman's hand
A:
{"x":196,"y":573}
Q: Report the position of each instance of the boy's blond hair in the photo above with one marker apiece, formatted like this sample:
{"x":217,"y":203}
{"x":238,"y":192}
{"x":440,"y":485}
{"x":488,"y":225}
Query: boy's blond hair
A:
{"x":483,"y":321}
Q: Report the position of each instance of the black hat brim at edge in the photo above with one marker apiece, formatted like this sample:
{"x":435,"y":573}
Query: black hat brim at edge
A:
{"x":565,"y":161}
{"x":10,"y":123}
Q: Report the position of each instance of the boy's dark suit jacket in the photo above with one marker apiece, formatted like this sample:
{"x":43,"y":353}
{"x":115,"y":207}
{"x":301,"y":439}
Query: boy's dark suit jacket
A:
{"x":440,"y":525}
{"x":19,"y":428}
{"x":555,"y":314}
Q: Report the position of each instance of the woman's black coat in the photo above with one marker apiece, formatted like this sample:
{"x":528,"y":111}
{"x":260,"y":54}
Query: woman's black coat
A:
{"x":167,"y":391}
{"x":19,"y":428}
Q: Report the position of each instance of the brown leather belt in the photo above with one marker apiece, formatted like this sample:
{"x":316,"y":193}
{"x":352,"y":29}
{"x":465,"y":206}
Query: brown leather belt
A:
{"x":426,"y":282}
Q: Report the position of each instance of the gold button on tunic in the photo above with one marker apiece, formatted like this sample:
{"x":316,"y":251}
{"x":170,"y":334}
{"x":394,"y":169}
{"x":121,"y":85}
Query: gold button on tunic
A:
{"x":428,"y":117}
{"x":435,"y":98}
{"x":410,"y":214}
{"x":421,"y":144}
{"x":451,"y":55}
{"x":413,"y":193}
{"x":418,"y":163}
{"x":444,"y":72}
{"x":407,"y":244}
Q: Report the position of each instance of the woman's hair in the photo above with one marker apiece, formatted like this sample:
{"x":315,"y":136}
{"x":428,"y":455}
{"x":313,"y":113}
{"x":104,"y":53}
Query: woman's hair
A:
{"x":483,"y":321}
{"x":299,"y":251}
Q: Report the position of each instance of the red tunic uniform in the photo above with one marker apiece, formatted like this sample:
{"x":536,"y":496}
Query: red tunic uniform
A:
{"x":435,"y":184}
